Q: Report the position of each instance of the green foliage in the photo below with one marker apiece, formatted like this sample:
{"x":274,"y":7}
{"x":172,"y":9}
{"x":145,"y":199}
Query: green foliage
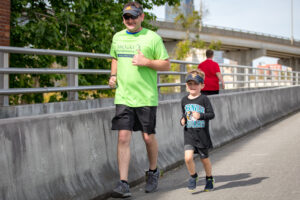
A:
{"x":182,"y":49}
{"x":73,"y":25}
{"x":191,"y":22}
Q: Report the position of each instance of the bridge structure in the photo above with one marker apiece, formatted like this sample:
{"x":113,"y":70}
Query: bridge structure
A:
{"x":241,"y":46}
{"x":66,"y":150}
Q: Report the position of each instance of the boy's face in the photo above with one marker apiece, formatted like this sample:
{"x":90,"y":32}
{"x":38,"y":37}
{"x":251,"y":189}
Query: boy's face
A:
{"x":194,"y":88}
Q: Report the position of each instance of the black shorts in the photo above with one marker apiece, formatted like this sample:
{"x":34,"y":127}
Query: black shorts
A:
{"x":203,"y":152}
{"x":135,"y":118}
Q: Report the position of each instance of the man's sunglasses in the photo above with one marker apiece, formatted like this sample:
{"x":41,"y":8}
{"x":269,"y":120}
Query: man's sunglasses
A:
{"x":126,"y":17}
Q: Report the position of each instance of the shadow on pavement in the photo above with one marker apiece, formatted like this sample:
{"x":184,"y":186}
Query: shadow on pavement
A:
{"x":232,"y":181}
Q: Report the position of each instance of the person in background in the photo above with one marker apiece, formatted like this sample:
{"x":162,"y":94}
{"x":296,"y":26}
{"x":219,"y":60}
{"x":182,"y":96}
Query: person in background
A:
{"x":212,"y":73}
{"x":138,"y":53}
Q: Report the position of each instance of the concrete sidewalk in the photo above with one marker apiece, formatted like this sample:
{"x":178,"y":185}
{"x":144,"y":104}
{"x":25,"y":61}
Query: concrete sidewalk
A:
{"x":263,"y":165}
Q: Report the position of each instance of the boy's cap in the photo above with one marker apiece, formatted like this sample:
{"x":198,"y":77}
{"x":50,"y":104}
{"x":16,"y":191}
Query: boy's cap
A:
{"x":134,"y":11}
{"x":194,"y":77}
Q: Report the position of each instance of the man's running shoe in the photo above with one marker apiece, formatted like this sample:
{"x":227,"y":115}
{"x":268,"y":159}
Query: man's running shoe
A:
{"x":121,"y":190}
{"x":151,"y":181}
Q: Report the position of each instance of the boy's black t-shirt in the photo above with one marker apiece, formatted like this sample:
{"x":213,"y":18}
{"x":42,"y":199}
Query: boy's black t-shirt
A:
{"x":196,"y":132}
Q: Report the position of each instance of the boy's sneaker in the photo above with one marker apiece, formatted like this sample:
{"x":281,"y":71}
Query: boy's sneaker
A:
{"x":121,"y":190}
{"x":151,"y":181}
{"x":192,"y":183}
{"x":209,"y":185}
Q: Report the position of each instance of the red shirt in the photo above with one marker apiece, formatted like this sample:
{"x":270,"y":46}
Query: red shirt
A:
{"x":210,"y":68}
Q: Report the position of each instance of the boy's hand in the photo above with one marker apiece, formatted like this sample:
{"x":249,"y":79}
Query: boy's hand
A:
{"x":182,"y":121}
{"x":196,"y":115}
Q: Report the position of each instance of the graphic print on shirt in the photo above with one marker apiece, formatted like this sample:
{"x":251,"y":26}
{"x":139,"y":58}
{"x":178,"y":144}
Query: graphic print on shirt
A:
{"x":191,"y":121}
{"x":127,"y":50}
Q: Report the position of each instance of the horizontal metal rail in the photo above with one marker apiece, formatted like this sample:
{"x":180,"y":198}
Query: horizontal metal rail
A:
{"x":69,"y":71}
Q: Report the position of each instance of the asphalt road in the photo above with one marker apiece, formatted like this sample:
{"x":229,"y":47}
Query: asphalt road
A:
{"x":263,"y":165}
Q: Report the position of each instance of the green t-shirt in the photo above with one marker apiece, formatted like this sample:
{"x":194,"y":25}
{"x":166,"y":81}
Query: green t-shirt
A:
{"x":137,"y":85}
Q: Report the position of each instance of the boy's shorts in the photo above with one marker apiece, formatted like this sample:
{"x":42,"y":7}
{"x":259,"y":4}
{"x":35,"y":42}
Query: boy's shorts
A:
{"x":203,"y":152}
{"x":135,"y":118}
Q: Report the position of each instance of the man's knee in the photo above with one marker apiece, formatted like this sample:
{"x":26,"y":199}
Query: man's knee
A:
{"x":149,"y":139}
{"x":124,"y":137}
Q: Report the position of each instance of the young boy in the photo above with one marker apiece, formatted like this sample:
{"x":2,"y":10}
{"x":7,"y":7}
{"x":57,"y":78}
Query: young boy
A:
{"x":196,"y":113}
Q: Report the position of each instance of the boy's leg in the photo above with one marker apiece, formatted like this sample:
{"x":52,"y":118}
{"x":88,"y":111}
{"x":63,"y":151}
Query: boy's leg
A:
{"x":207,"y":166}
{"x":190,"y":164}
{"x":208,"y":171}
{"x":189,"y":161}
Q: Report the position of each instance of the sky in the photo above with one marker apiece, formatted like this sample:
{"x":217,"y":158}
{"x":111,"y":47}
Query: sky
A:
{"x":271,"y":17}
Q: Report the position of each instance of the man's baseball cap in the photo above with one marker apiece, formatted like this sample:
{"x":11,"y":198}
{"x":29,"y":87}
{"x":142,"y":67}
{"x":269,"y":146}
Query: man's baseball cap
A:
{"x":194,"y":77}
{"x":134,"y":11}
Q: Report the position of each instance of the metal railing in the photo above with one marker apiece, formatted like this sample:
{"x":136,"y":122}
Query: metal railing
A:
{"x":235,"y":76}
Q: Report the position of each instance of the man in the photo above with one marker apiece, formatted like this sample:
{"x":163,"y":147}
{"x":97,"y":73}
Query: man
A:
{"x":212,"y":75}
{"x":138,"y":53}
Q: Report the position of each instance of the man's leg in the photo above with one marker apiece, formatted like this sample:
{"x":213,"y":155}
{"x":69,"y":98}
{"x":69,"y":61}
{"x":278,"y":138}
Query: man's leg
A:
{"x":124,"y":153}
{"x":122,"y":188}
{"x":152,"y":149}
{"x":153,"y":174}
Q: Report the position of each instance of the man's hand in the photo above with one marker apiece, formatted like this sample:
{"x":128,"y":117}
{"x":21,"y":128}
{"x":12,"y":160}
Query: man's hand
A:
{"x":140,"y":59}
{"x":112,"y":81}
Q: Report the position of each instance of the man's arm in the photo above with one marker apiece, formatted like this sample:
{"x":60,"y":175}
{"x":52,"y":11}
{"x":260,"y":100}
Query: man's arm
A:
{"x":219,"y":75}
{"x":113,"y":74}
{"x":158,"y":65}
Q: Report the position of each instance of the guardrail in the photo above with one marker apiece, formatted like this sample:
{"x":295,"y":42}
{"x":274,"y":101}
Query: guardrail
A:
{"x":235,"y":76}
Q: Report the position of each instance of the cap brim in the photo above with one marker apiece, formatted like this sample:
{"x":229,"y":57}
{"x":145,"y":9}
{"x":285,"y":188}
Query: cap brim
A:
{"x":133,"y":12}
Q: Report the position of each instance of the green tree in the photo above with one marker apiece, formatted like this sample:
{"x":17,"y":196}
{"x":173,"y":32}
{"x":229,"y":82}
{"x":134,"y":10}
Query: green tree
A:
{"x":189,"y":23}
{"x":75,"y":25}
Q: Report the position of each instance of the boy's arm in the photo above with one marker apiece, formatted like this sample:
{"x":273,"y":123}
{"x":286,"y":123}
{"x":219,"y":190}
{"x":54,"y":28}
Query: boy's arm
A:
{"x":209,"y":112}
{"x":183,"y":117}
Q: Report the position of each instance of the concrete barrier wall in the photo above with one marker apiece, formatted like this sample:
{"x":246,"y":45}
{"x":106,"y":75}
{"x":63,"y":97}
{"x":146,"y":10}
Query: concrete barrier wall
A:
{"x":72,"y":155}
{"x":57,"y":107}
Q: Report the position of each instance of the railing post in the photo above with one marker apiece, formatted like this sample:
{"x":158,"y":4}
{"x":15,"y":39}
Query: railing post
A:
{"x":297,"y":78}
{"x":234,"y":78}
{"x":265,"y":78}
{"x":72,"y":78}
{"x":272,"y":77}
{"x":246,"y":78}
{"x":4,"y":78}
{"x":182,"y":77}
{"x":279,"y":77}
{"x":256,"y":77}
{"x":285,"y":77}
